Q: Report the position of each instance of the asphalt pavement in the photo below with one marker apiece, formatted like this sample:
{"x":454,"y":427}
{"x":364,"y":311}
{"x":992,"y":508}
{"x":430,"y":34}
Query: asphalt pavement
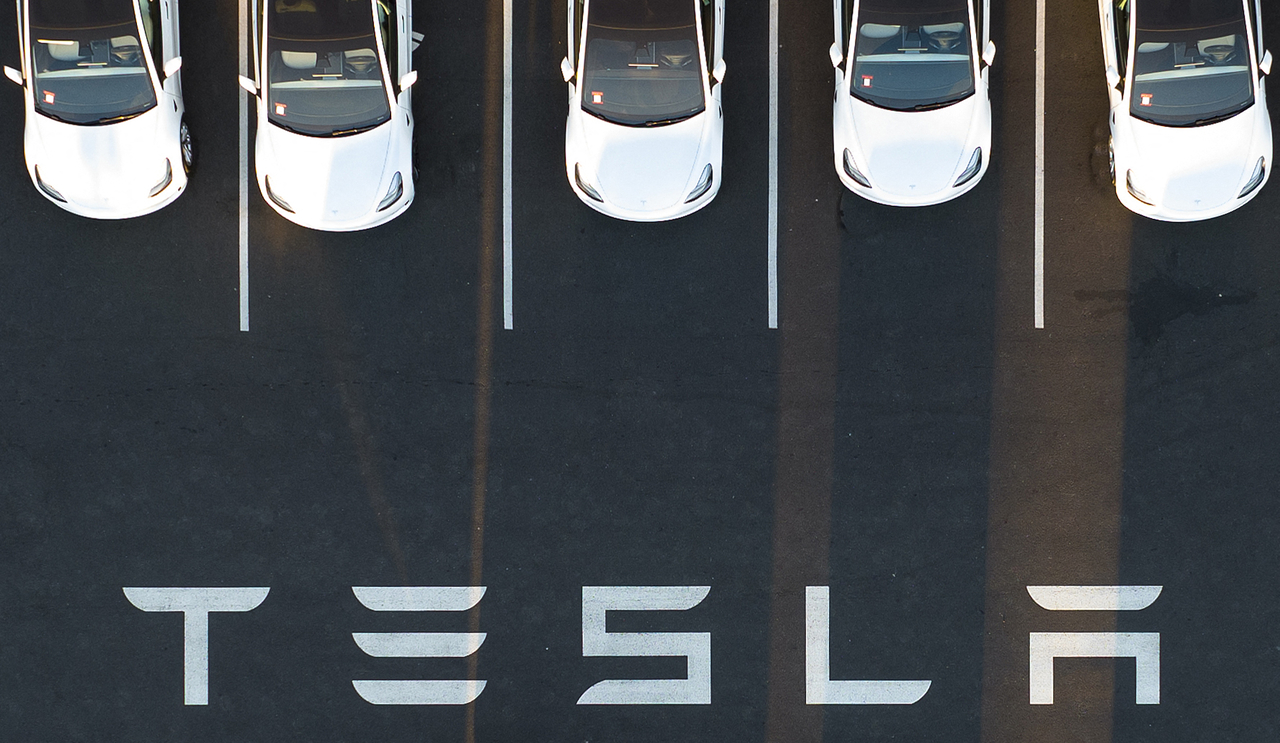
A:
{"x":905,"y":436}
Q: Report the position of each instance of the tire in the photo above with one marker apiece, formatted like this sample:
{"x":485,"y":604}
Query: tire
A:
{"x":1111,"y":159}
{"x":187,"y":143}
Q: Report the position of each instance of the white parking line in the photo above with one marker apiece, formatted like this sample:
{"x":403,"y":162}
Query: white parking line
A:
{"x":507,"y":319}
{"x":1039,"y":164}
{"x":244,"y":171}
{"x":773,"y":163}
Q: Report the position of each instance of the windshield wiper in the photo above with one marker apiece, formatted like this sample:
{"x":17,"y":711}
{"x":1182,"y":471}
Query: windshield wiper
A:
{"x":1215,"y":119}
{"x":938,"y":104}
{"x":114,"y":119}
{"x":673,"y":119}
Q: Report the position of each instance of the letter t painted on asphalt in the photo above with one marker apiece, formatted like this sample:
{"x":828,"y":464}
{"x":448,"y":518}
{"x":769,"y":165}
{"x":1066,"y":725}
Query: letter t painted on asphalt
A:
{"x":195,"y":605}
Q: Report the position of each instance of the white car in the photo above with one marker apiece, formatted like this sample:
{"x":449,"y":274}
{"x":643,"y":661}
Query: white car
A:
{"x":105,"y":135}
{"x":911,"y":118}
{"x":334,"y":145}
{"x":645,"y":130}
{"x":1190,"y":135}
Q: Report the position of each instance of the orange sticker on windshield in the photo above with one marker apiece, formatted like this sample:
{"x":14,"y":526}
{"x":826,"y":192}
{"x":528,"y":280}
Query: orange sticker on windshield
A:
{"x":48,"y":97}
{"x":866,"y":81}
{"x":280,"y":107}
{"x":1146,"y":99}
{"x":597,"y":96}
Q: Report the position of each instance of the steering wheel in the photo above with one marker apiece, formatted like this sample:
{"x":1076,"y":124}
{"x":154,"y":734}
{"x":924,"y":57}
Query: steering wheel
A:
{"x":678,"y":61}
{"x":945,"y":40}
{"x":1219,"y":53}
{"x":126,"y":54}
{"x":361,"y":65}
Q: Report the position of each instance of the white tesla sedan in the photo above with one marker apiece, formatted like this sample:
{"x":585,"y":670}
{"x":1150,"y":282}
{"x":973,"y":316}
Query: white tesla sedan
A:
{"x":334,"y":145}
{"x":105,"y":135}
{"x":912,"y":120}
{"x":645,"y":129}
{"x":1190,"y":135}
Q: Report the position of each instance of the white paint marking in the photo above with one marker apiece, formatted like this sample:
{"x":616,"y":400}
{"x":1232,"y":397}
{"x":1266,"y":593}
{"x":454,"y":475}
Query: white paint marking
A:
{"x":773,"y":163}
{"x":244,"y":170}
{"x":1094,"y":598}
{"x":507,"y":319}
{"x":1040,"y":164}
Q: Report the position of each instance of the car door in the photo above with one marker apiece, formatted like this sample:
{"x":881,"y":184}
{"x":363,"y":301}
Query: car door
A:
{"x":160,"y":26}
{"x":1115,"y":15}
{"x":712,"y":21}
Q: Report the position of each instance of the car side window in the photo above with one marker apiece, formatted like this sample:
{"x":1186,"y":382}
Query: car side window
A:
{"x":709,"y":31}
{"x":580,"y":6}
{"x":1121,"y":15}
{"x":1257,"y":27}
{"x":390,"y":38}
{"x":978,"y":19}
{"x":846,"y":23}
{"x":151,"y":27}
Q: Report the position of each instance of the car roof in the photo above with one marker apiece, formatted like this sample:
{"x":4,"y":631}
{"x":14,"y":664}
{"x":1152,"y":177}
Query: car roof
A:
{"x":913,"y":6}
{"x":81,"y":14}
{"x":638,"y":14}
{"x":320,"y":19}
{"x":1174,"y":15}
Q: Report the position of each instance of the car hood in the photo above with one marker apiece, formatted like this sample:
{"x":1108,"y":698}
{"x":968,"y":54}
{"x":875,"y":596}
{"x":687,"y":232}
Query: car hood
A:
{"x":326,"y":178}
{"x":1195,"y":168}
{"x":99,"y":166}
{"x":912,"y":153}
{"x":643,"y":168}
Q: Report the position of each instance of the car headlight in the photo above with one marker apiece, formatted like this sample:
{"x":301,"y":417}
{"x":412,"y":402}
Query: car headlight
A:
{"x":586,"y":187}
{"x":1255,"y":180}
{"x":704,"y":184}
{"x":970,"y":170}
{"x":272,"y":195}
{"x":49,"y":191}
{"x":851,"y":168}
{"x":166,"y":180}
{"x":1134,"y":191}
{"x":393,"y":193}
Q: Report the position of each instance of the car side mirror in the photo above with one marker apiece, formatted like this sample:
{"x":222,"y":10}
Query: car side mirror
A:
{"x":566,"y":69}
{"x":836,"y":55}
{"x":172,"y":66}
{"x":1113,"y":77}
{"x":718,"y":71}
{"x":250,"y":86}
{"x":14,"y":75}
{"x":408,"y":79}
{"x":1264,"y":65}
{"x":989,"y":53}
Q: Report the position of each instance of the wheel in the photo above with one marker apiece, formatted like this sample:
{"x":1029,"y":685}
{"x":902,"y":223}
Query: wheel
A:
{"x":1220,"y":53}
{"x":944,"y":40}
{"x":187,"y":143}
{"x":1111,"y":159}
{"x":361,"y":66}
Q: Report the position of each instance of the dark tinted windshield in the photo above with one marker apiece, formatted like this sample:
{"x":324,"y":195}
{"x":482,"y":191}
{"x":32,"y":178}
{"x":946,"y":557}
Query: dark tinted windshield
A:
{"x":912,"y":55}
{"x":87,"y":73}
{"x":324,"y":71}
{"x":643,"y":63}
{"x":1192,"y":63}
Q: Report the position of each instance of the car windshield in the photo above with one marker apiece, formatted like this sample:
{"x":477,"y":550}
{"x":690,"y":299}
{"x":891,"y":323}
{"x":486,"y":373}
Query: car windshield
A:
{"x":1191,"y":65}
{"x":324,"y":70}
{"x":88,"y":61}
{"x":912,"y":55}
{"x":643,"y":64}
